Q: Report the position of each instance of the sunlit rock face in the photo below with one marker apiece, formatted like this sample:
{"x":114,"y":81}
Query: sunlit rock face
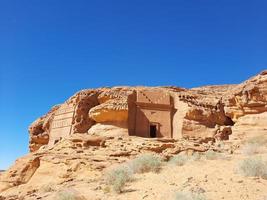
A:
{"x":209,"y":112}
{"x":249,"y":97}
{"x":78,"y":140}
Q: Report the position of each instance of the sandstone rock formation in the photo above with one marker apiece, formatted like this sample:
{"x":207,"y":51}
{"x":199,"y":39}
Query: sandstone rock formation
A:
{"x":208,"y":112}
{"x":248,"y":97}
{"x":75,"y":141}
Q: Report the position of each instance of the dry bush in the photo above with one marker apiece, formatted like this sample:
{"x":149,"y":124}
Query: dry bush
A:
{"x":117,"y":177}
{"x":254,"y":145}
{"x":68,"y":195}
{"x":253,"y":167}
{"x":195,"y":157}
{"x":189,"y":196}
{"x":48,"y":188}
{"x":146,"y":163}
{"x":179,"y":160}
{"x":212,"y":155}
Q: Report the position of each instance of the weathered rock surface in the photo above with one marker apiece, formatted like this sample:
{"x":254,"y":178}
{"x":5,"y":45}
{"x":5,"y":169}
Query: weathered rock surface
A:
{"x":75,"y":141}
{"x":113,"y":111}
{"x":39,"y":130}
{"x":20,"y":173}
{"x":205,"y":112}
{"x":79,"y":161}
{"x":79,"y":155}
{"x":248,"y":97}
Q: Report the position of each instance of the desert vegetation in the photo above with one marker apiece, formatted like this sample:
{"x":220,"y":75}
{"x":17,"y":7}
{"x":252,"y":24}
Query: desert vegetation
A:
{"x":118,"y":176}
{"x":182,"y":159}
{"x":179,"y":160}
{"x":253,"y":166}
{"x":212,"y":155}
{"x":146,"y":163}
{"x":48,"y":188}
{"x":189,"y":196}
{"x":254,"y":145}
{"x":68,"y":195}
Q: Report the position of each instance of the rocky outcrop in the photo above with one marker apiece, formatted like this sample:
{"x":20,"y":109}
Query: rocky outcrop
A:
{"x":249,"y":97}
{"x":114,"y":110}
{"x":39,"y":130}
{"x":207,"y":112}
{"x":84,"y":101}
{"x":20,"y":173}
{"x":113,"y":107}
{"x":252,"y":125}
{"x":78,"y":139}
{"x":106,"y":129}
{"x":78,"y":156}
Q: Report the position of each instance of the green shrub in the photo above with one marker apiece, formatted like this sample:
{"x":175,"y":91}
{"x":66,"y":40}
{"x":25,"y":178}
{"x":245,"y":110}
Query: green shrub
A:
{"x":68,"y":195}
{"x":211,"y":155}
{"x":48,"y":188}
{"x":253,"y":167}
{"x":117,"y":177}
{"x":179,"y":160}
{"x":254,"y":145}
{"x":189,"y":196}
{"x":195,"y":157}
{"x":146,"y":163}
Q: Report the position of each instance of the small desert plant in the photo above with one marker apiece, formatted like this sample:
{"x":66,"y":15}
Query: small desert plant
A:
{"x":253,"y":167}
{"x":146,"y":163}
{"x":189,"y":196}
{"x":179,"y":160}
{"x":48,"y":188}
{"x":220,"y":144}
{"x":68,"y":195}
{"x":254,"y":145}
{"x":195,"y":157}
{"x":211,"y":155}
{"x":117,"y":177}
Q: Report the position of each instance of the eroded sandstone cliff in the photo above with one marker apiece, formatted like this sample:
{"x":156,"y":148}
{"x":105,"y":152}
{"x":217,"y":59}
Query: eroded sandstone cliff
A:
{"x":75,"y":141}
{"x":208,"y":112}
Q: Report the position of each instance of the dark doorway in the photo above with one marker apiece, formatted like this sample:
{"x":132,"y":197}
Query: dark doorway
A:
{"x":153,"y":131}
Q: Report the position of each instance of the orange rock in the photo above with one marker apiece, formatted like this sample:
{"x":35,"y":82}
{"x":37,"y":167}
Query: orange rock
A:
{"x":171,"y":112}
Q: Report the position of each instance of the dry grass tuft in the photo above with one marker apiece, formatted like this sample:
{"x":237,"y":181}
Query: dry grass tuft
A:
{"x":179,"y":160}
{"x":117,"y":177}
{"x":211,"y":155}
{"x":68,"y":195}
{"x":254,"y":145}
{"x":253,"y":167}
{"x":189,"y":196}
{"x":146,"y":163}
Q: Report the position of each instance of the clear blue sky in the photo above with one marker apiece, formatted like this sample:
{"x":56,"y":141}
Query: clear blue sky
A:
{"x":50,"y":49}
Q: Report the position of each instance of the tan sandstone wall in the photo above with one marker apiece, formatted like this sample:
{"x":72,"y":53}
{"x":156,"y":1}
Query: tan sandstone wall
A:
{"x":160,"y":118}
{"x":180,"y":109}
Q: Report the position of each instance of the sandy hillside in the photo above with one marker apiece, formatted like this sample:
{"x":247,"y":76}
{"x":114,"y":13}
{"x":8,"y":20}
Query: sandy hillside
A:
{"x":210,"y":176}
